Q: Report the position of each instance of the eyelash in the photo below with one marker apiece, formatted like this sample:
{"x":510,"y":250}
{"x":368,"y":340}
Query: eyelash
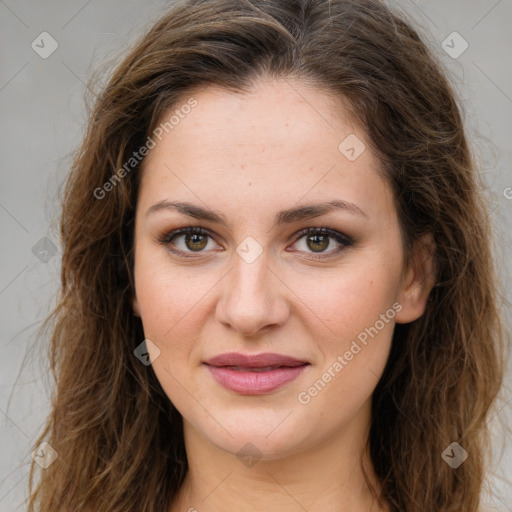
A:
{"x":344,"y":240}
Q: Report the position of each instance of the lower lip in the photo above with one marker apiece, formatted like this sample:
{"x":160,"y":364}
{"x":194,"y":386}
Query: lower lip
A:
{"x":254,"y":383}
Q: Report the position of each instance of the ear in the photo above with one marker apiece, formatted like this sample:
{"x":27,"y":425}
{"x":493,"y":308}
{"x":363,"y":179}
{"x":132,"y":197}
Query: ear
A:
{"x":135,"y":305}
{"x":417,"y":282}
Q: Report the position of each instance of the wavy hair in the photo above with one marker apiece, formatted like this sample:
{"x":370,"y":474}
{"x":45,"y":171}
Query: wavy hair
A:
{"x":118,"y":437}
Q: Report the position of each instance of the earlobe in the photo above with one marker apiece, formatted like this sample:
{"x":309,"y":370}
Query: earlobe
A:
{"x":418,"y":281}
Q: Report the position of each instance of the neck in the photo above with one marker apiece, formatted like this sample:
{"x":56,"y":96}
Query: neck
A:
{"x":327,"y":477}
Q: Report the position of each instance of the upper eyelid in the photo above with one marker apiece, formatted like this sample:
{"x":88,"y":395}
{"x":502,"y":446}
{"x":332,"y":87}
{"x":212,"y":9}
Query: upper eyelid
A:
{"x":297,"y":235}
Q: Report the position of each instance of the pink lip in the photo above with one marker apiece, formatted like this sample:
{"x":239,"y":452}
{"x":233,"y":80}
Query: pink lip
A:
{"x":253,"y":360}
{"x":238,"y":372}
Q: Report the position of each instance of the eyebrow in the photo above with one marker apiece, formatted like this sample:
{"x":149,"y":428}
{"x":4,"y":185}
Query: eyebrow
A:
{"x":287,"y":216}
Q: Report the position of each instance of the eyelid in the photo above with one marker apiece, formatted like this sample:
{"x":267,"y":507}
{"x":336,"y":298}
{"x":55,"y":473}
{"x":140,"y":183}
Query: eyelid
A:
{"x":333,"y":233}
{"x":341,"y":238}
{"x":344,"y":240}
{"x":167,"y":236}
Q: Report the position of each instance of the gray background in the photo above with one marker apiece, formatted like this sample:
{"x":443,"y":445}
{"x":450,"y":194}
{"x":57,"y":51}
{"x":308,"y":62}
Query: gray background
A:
{"x":43,"y":116}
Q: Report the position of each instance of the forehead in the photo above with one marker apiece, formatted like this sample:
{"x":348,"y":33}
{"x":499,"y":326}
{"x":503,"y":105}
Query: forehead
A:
{"x":273,"y":111}
{"x":284,"y":141}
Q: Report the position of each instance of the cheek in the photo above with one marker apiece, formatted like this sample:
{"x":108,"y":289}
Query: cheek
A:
{"x":171,"y":303}
{"x":347,"y":301}
{"x":172,"y":312}
{"x":354,"y":352}
{"x":354,"y":310}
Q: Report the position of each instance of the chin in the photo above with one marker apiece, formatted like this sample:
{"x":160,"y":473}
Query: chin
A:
{"x":265,"y":436}
{"x":256,"y":446}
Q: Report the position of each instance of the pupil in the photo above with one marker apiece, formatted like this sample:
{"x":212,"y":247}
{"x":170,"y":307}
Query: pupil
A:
{"x":194,"y":237}
{"x":316,"y":239}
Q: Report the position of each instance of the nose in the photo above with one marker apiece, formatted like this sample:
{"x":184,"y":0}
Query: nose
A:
{"x":253,"y":298}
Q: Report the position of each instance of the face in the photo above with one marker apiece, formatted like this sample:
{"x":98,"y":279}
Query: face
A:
{"x":253,"y":280}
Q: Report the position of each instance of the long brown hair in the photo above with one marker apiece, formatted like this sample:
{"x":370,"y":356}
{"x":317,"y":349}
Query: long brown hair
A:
{"x":118,"y":437}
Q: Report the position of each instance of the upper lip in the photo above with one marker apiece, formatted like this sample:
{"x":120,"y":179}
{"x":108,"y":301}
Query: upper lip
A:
{"x":254,"y":360}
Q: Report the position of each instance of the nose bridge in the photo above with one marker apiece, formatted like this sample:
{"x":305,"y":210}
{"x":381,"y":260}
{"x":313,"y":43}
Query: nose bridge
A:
{"x":251,"y":295}
{"x":251,"y":277}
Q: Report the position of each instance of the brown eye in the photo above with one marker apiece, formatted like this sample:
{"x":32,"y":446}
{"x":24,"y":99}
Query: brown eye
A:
{"x":195,"y":242}
{"x":317,"y":242}
{"x":187,"y":240}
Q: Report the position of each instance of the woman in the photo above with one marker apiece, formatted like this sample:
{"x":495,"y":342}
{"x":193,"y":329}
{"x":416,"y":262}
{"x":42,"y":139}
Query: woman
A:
{"x":277,"y":286}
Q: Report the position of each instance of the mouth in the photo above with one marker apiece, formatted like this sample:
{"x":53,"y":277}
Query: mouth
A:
{"x":254,"y":374}
{"x":256,"y":368}
{"x":263,"y":360}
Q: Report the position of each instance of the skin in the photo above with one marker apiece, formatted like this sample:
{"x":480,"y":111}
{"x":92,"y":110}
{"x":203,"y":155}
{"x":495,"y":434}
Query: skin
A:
{"x":249,"y":156}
